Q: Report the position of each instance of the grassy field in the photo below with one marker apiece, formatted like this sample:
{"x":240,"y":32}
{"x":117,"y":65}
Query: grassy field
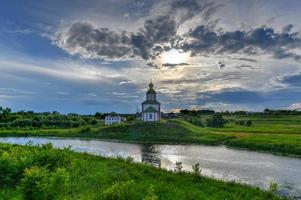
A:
{"x":47,"y":173}
{"x":274,"y":133}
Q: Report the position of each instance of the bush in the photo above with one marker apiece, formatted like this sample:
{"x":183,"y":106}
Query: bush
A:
{"x":119,"y":191}
{"x":216,"y":121}
{"x":244,"y":122}
{"x":16,"y":159}
{"x":195,"y":120}
{"x":178,"y":167}
{"x":52,"y":158}
{"x":249,"y":123}
{"x":273,"y":187}
{"x":12,"y":164}
{"x":196,"y":169}
{"x":151,"y":194}
{"x":40,"y":184}
{"x":85,"y":130}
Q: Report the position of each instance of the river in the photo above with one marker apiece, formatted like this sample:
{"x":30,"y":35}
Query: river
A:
{"x":253,"y":168}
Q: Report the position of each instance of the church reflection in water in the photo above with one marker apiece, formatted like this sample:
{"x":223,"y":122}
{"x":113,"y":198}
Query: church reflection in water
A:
{"x":150,"y":155}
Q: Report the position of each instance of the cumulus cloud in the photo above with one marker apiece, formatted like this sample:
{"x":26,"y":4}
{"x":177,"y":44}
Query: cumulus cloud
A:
{"x":295,"y":106}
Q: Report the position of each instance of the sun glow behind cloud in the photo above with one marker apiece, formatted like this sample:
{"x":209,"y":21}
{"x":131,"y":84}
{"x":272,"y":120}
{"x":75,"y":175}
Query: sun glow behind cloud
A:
{"x":174,"y":57}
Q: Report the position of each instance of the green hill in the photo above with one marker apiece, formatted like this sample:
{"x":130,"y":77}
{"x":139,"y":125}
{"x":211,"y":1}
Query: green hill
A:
{"x":167,"y":132}
{"x":263,"y":135}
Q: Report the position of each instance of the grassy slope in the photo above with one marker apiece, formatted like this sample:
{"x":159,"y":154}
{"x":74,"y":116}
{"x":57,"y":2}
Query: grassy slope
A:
{"x":92,"y":176}
{"x":278,"y":134}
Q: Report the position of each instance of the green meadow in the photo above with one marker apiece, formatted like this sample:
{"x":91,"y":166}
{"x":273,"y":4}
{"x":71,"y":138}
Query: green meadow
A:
{"x":42,"y":173}
{"x":271,"y":133}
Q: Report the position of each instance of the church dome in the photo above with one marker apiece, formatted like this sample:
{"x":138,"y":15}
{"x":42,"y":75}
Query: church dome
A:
{"x":151,"y":89}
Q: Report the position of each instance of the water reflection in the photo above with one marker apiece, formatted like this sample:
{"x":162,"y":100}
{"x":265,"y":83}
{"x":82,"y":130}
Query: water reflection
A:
{"x":258,"y":169}
{"x":150,"y":155}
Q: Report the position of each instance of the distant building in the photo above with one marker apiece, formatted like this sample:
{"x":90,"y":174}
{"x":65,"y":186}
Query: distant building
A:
{"x":112,"y":119}
{"x":170,"y":115}
{"x":151,"y":107}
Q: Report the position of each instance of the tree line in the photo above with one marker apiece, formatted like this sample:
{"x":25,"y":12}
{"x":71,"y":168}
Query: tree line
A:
{"x":31,"y":119}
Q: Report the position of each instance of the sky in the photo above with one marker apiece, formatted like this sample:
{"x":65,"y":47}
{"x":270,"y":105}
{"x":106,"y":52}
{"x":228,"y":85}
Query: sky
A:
{"x":99,"y":56}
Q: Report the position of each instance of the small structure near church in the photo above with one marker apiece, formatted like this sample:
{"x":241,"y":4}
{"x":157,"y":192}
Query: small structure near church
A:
{"x":112,"y":119}
{"x":151,"y":107}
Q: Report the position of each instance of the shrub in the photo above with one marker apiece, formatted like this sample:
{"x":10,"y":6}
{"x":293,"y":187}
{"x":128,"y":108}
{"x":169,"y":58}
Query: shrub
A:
{"x":119,"y":191}
{"x":85,"y":130}
{"x":151,"y":194}
{"x":244,"y":122}
{"x":12,"y":164}
{"x":178,"y":167}
{"x":273,"y":187}
{"x":216,"y":121}
{"x":195,"y":120}
{"x":196,"y":168}
{"x":16,"y":159}
{"x":40,"y":184}
{"x":52,"y":158}
{"x":249,"y":123}
{"x":129,"y":159}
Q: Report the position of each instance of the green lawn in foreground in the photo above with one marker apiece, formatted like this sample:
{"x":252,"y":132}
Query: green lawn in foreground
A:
{"x":91,"y":177}
{"x":277,"y":134}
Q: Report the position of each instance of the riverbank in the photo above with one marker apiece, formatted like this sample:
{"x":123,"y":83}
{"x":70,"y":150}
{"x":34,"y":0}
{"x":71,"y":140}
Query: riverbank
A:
{"x":268,"y":137}
{"x":92,"y":177}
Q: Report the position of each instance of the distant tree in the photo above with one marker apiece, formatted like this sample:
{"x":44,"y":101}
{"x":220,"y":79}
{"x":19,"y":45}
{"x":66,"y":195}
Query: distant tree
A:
{"x":216,"y":121}
{"x":205,"y":112}
{"x":240,"y":112}
{"x":98,"y":115}
{"x":249,"y":123}
{"x":130,"y":118}
{"x":4,"y":114}
{"x":184,"y":112}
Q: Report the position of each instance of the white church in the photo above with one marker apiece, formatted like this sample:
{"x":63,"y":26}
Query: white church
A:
{"x":151,"y":107}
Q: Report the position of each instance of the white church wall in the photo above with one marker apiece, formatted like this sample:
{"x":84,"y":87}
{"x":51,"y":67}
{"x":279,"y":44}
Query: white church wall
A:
{"x":153,"y":116}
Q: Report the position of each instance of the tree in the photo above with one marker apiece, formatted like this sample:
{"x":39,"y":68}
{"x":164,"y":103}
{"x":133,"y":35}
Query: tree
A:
{"x":216,"y":121}
{"x":98,"y":115}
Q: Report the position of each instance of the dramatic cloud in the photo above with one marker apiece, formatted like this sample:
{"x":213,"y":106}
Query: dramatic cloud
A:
{"x":159,"y":33}
{"x":202,"y":54}
{"x":90,"y":42}
{"x":202,"y":40}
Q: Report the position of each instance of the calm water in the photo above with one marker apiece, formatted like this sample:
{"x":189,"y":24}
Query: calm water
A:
{"x":254,"y":168}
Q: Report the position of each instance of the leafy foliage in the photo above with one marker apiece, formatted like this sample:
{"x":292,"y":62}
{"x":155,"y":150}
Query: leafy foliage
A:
{"x":14,"y":160}
{"x":39,"y":183}
{"x":30,"y":119}
{"x":196,"y":169}
{"x":216,"y":121}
